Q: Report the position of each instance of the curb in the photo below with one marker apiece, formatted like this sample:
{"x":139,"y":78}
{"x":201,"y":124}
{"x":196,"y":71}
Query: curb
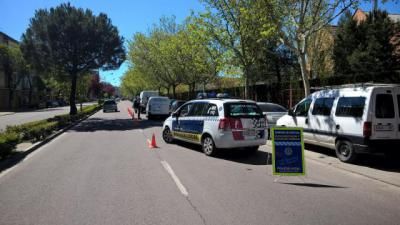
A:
{"x":9,"y":163}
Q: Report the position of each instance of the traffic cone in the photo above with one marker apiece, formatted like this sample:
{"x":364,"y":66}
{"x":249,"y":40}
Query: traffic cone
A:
{"x":152,"y":143}
{"x":129,"y":111}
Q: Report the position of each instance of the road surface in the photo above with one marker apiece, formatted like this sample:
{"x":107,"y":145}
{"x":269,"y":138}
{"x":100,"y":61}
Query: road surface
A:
{"x":30,"y":116}
{"x":102,"y":172}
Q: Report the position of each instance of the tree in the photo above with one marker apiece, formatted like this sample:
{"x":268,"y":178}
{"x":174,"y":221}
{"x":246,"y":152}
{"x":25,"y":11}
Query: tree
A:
{"x":107,"y":89}
{"x":298,"y":20}
{"x":72,"y":40}
{"x":15,"y":69}
{"x":238,"y":27}
{"x":364,"y":51}
{"x":95,"y":85}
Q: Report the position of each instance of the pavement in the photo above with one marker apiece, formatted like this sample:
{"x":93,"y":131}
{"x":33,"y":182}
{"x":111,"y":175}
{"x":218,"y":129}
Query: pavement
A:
{"x":102,"y":172}
{"x":16,"y":118}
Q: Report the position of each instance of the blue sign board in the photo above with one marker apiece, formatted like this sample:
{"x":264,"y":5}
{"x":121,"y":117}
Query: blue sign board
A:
{"x":288,"y":151}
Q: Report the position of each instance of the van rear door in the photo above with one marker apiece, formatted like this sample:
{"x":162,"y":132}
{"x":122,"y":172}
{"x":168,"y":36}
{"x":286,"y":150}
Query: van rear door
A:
{"x":385,"y":122}
{"x":397,"y":93}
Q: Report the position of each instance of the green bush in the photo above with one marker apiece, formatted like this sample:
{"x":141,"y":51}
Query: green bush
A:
{"x":8,"y":141}
{"x":38,"y":130}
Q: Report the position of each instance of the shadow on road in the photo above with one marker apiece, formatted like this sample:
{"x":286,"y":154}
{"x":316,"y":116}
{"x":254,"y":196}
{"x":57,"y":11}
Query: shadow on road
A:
{"x":375,"y":161}
{"x":314,"y":185}
{"x":234,"y":155}
{"x":94,"y":124}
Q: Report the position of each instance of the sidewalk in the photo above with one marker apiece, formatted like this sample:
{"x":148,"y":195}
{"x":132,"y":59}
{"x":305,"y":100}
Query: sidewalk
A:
{"x":366,"y":169}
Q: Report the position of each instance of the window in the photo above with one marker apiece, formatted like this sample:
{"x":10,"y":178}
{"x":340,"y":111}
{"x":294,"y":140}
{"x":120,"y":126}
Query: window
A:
{"x":323,"y":106}
{"x":211,"y":110}
{"x":384,"y":107}
{"x":243,"y":110}
{"x":197,"y":109}
{"x":185,"y":110}
{"x":398,"y":103}
{"x":303,"y":107}
{"x":350,"y":107}
{"x":272,"y":108}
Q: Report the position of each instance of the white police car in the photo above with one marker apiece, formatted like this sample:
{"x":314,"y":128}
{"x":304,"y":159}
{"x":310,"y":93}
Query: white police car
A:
{"x":217,"y":123}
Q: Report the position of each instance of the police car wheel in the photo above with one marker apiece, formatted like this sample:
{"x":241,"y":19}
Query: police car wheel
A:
{"x":167,"y":135}
{"x":208,"y":146}
{"x":345,"y":151}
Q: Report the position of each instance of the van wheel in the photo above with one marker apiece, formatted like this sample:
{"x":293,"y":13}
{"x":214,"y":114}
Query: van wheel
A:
{"x":167,"y":135}
{"x":149,"y":116}
{"x":345,"y":151}
{"x":208,"y":146}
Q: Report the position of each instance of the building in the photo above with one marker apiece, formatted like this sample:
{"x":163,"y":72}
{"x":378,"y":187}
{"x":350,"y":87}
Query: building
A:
{"x":17,"y":91}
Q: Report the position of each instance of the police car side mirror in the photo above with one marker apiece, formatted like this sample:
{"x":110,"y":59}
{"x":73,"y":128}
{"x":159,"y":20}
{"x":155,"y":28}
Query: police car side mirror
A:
{"x":291,"y":112}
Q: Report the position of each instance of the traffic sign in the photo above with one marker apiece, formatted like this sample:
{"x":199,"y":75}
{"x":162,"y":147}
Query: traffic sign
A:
{"x":288,"y":151}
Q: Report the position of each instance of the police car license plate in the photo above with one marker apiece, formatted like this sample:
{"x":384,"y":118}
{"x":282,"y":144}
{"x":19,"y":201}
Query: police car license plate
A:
{"x":250,"y":132}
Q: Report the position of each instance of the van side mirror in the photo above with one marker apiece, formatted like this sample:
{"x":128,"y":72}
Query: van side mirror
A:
{"x":291,"y":112}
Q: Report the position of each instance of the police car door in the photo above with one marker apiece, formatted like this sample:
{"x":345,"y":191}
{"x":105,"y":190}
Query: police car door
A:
{"x":179,"y":122}
{"x":397,"y":93}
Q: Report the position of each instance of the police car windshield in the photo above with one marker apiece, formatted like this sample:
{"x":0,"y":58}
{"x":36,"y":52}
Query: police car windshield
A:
{"x":242,"y":110}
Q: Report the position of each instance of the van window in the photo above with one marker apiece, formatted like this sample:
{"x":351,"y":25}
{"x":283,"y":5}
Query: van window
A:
{"x":384,"y":107}
{"x":242,"y":110}
{"x":303,"y":107}
{"x":398,"y":104}
{"x":323,"y":106}
{"x":197,"y":109}
{"x":211,"y":110}
{"x":350,"y":106}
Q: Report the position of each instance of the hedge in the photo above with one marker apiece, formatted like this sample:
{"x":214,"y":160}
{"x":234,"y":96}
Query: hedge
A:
{"x":38,"y":130}
{"x":8,"y":141}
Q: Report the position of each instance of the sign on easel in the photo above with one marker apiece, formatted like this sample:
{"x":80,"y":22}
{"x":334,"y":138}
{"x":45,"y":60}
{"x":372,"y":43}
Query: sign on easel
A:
{"x":288,"y":152}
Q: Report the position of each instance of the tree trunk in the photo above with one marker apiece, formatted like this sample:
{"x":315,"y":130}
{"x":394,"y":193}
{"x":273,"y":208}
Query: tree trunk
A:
{"x":278,"y":93}
{"x":174,"y":91}
{"x":73,"y":109}
{"x":304,"y":73}
{"x":246,"y":83}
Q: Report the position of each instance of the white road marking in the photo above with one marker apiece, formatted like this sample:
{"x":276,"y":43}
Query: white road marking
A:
{"x":178,"y":183}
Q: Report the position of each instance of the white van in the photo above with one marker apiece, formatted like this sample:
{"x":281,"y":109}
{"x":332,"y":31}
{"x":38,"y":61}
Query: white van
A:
{"x":144,"y":96}
{"x":352,"y":119}
{"x":157,"y":106}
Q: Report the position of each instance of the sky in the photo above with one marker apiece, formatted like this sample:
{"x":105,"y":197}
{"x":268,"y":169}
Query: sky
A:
{"x":129,"y":16}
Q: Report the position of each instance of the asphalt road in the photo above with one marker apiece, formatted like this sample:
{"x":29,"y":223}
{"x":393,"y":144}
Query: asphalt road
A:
{"x":30,"y":116}
{"x":102,"y":172}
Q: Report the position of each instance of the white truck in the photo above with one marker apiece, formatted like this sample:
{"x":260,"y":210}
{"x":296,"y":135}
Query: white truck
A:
{"x":144,"y":97}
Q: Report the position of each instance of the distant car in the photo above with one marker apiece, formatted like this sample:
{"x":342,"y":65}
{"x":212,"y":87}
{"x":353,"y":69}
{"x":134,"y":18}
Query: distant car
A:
{"x":175,"y":105}
{"x":52,"y":104}
{"x":272,"y":112}
{"x":110,"y":105}
{"x":62,"y":102}
{"x":223,"y":95}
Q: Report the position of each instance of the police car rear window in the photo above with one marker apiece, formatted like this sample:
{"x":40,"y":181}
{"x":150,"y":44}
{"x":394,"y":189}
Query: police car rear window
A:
{"x":242,"y":110}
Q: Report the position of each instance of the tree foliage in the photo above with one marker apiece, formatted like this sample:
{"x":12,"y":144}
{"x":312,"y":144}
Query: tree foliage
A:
{"x":74,"y":41}
{"x":363,"y":51}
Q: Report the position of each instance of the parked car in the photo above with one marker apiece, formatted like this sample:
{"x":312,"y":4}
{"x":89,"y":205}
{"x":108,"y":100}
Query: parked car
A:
{"x":351,"y":120}
{"x":175,"y":105}
{"x":157,"y":106}
{"x":62,"y":102}
{"x":272,"y":113}
{"x":110,"y":105}
{"x":217,"y":123}
{"x":52,"y":104}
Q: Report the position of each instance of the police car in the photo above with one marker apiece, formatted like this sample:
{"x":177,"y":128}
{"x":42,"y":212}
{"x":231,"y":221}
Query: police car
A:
{"x":217,"y":124}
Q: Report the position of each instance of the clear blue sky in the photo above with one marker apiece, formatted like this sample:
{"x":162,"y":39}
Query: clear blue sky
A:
{"x":130,"y":16}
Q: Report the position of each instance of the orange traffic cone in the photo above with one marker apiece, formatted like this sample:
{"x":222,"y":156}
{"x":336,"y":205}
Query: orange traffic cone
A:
{"x":152,"y":143}
{"x":129,"y":111}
